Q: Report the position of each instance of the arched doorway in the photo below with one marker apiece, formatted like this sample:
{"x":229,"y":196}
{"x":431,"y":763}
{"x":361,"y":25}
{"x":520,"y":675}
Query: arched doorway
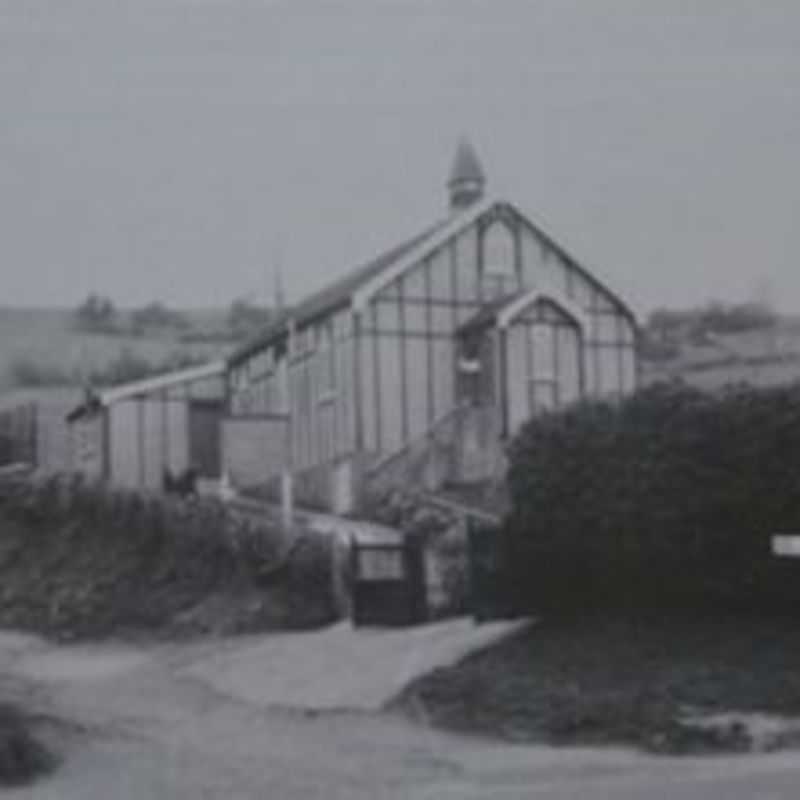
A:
{"x":542,"y":343}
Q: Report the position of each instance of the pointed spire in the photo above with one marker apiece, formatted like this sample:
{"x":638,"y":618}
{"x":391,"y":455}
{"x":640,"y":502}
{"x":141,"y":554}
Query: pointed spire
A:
{"x":467,"y":178}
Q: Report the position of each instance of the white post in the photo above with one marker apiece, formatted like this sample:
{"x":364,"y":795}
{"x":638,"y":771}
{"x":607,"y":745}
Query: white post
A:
{"x":287,"y":500}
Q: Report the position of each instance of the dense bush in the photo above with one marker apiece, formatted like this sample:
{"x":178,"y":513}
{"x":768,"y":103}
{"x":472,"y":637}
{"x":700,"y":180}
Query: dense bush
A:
{"x":96,"y":314}
{"x":83,"y":561}
{"x":665,"y":501}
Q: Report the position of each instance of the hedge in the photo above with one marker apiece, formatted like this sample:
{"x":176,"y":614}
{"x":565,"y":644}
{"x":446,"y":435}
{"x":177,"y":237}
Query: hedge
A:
{"x":664,"y":501}
{"x":84,"y":561}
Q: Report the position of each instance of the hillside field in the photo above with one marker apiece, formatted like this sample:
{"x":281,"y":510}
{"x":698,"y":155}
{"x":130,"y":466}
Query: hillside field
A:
{"x":49,"y":338}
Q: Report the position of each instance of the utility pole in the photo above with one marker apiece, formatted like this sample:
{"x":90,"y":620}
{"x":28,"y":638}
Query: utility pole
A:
{"x":280,"y":295}
{"x":287,"y":477}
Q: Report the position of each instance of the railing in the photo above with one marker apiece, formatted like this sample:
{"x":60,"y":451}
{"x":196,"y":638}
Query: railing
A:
{"x":428,"y":433}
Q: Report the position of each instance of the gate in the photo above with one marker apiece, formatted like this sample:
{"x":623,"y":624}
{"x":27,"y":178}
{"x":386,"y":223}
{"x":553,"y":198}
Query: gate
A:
{"x":205,"y":417}
{"x":490,"y":593}
{"x":388,"y":583}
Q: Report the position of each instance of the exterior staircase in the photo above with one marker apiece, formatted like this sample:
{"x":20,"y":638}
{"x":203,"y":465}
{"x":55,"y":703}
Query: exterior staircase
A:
{"x":460,"y":452}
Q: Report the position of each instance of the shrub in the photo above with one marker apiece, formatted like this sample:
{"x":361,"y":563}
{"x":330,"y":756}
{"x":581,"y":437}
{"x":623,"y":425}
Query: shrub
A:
{"x":665,"y":501}
{"x":80,"y":560}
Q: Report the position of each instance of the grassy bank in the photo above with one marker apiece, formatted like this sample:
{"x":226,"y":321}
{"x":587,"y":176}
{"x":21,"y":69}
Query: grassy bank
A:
{"x":82,"y":562}
{"x":620,"y":681}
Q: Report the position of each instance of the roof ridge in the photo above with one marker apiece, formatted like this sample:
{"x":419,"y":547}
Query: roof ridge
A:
{"x":335,"y":293}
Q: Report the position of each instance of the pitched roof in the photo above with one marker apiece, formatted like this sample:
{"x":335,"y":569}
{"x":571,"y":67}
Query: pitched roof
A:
{"x":147,"y":385}
{"x":332,"y":296}
{"x":359,"y":285}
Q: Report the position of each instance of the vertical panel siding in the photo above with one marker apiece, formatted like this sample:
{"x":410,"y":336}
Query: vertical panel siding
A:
{"x":569,"y":358}
{"x":533,"y":269}
{"x":444,"y":376}
{"x":466,"y":272}
{"x":124,"y":444}
{"x":153,"y":419}
{"x":391,"y":394}
{"x":178,"y":444}
{"x":519,"y":357}
{"x":441,"y":283}
{"x":344,"y":395}
{"x":417,"y":385}
{"x":367,"y":389}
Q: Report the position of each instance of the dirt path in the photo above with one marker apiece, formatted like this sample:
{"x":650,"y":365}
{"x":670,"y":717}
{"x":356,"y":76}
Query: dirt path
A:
{"x":147,"y":723}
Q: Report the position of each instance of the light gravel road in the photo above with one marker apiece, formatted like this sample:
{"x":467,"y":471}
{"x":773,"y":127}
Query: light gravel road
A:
{"x":201,"y":720}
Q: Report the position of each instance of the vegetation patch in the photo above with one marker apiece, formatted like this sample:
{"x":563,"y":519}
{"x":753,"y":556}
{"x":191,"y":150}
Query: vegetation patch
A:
{"x":658,"y":684}
{"x":79,"y":561}
{"x":667,"y":500}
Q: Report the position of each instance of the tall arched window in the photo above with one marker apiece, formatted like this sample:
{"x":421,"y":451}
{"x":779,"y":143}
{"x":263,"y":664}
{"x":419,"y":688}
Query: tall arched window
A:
{"x":499,"y":262}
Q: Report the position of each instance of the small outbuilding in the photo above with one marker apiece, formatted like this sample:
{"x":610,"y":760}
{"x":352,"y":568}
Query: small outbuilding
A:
{"x":136,"y":434}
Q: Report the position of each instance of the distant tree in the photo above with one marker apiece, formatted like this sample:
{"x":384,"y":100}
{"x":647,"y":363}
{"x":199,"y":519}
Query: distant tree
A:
{"x":246,"y":318}
{"x":156,"y":315}
{"x":96,"y":314}
{"x":652,"y":348}
{"x":128,"y":366}
{"x":697,"y":324}
{"x":717,"y":318}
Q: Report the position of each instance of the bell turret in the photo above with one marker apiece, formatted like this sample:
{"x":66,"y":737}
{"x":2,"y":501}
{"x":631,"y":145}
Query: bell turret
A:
{"x":467,"y":178}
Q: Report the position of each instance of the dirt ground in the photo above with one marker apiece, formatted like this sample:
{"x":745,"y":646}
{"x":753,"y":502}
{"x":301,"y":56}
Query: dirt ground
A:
{"x":134,"y":723}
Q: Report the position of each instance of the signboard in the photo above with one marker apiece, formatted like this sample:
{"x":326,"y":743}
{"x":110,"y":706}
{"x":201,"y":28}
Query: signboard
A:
{"x":786,"y":545}
{"x":383,"y":564}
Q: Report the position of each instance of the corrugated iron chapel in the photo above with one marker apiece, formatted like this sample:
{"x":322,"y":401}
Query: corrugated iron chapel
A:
{"x":419,"y":365}
{"x":413,"y":369}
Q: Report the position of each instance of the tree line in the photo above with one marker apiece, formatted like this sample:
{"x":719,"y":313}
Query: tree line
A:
{"x":99,"y":314}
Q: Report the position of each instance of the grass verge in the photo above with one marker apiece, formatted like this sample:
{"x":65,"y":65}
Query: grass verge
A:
{"x":83,"y":562}
{"x":644,"y":682}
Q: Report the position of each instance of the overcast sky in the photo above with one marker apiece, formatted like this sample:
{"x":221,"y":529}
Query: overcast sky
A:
{"x":179,"y":149}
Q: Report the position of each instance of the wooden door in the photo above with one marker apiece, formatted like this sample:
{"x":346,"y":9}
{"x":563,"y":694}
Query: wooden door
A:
{"x":543,"y":364}
{"x":204,"y":437}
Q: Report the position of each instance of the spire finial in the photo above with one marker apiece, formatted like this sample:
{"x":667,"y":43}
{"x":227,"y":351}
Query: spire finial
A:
{"x":467,"y":178}
{"x":280,"y":295}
